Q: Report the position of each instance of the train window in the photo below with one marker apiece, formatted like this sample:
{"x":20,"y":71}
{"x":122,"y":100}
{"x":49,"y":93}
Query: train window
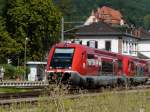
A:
{"x":148,"y":67}
{"x":137,"y":70}
{"x":120,"y":64}
{"x":107,"y":67}
{"x":119,"y":70}
{"x":91,"y":59}
{"x":145,"y":68}
{"x":62,"y":58}
{"x":90,"y":56}
{"x":131,"y":66}
{"x":141,"y":70}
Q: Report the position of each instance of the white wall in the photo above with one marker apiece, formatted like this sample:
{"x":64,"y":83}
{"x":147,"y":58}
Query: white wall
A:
{"x":128,"y":46}
{"x":32,"y":76}
{"x":101,"y":43}
{"x":145,"y":46}
{"x":114,"y":43}
{"x":90,"y":20}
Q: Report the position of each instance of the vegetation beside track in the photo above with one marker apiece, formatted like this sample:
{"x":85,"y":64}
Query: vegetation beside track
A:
{"x":14,"y":90}
{"x":136,"y":101}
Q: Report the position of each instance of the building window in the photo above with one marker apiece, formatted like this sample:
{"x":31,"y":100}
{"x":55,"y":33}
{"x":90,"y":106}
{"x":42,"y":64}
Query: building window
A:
{"x":130,"y":48}
{"x":135,"y":48}
{"x":124,"y":46}
{"x":127,"y":46}
{"x":108,"y":45}
{"x":92,"y":43}
{"x":77,"y":41}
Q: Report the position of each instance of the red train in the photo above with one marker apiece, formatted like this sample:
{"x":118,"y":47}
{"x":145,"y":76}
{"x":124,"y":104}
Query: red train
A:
{"x":89,"y":67}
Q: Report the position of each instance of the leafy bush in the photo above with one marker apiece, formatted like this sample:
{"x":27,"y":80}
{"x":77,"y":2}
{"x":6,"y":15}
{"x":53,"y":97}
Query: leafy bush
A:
{"x":19,"y":72}
{"x":13,"y":72}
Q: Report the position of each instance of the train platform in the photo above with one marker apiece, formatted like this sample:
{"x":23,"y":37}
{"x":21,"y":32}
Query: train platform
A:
{"x":23,"y":83}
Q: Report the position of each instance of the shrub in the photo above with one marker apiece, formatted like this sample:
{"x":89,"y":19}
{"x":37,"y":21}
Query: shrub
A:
{"x":13,"y":72}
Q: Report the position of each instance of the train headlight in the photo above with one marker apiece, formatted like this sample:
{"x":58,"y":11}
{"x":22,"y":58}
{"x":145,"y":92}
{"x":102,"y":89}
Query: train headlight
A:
{"x":70,"y":78}
{"x":69,"y":67}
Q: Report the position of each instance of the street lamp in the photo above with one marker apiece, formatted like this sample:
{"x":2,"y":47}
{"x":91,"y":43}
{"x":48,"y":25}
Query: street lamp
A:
{"x":62,"y":29}
{"x":25,"y":55}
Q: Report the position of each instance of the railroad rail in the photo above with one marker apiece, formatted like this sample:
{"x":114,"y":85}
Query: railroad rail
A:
{"x":35,"y":99}
{"x":18,"y":101}
{"x":33,"y":96}
{"x":23,"y":83}
{"x":11,"y":98}
{"x":34,"y":93}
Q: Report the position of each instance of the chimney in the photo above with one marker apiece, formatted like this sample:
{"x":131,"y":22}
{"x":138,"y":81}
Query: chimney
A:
{"x":121,"y":22}
{"x":92,"y":13}
{"x":139,"y":33}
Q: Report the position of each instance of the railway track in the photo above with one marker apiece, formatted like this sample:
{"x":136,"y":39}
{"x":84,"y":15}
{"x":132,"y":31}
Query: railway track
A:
{"x":11,"y":98}
{"x":33,"y":96}
{"x":5,"y":96}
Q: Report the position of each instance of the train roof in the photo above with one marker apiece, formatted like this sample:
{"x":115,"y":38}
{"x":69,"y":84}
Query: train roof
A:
{"x":99,"y":51}
{"x":63,"y":44}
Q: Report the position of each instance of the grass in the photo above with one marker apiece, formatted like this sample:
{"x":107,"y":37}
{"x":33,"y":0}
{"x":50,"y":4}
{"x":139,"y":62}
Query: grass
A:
{"x":107,"y":102}
{"x":13,"y":90}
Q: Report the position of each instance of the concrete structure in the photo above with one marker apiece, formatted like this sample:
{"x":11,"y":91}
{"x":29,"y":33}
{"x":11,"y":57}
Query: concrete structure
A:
{"x":37,"y":70}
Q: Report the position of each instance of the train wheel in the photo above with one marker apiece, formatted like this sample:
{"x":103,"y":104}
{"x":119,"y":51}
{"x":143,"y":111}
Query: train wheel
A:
{"x":131,"y":82}
{"x":90,"y":83}
{"x":120,"y":83}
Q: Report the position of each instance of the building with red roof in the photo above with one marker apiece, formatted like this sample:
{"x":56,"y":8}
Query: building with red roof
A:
{"x":107,"y":15}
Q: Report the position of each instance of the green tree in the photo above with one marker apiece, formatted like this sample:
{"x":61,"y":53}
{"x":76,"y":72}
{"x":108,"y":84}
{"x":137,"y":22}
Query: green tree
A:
{"x":37,"y":20}
{"x":147,"y":21}
{"x":66,"y":7}
{"x":8,"y":46}
{"x":2,"y":6}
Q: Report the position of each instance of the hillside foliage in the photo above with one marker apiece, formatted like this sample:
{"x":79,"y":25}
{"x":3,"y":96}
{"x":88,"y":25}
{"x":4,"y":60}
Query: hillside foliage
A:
{"x":134,"y":11}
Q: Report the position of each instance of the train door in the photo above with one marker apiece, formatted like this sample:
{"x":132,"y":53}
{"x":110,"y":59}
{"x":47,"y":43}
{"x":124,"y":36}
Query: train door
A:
{"x":107,"y":71}
{"x":138,"y":69}
{"x":148,"y":68}
{"x":137,"y":72}
{"x":83,"y":63}
{"x":119,"y":70}
{"x":91,"y":65}
{"x":131,"y":68}
{"x":99,"y":65}
{"x":107,"y":66}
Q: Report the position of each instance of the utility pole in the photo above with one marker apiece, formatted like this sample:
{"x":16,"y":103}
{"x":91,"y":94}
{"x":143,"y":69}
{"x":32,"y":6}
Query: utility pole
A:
{"x":25,"y":55}
{"x":62,"y":29}
{"x":69,"y":22}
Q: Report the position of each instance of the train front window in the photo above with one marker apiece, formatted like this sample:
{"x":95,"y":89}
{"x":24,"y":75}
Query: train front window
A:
{"x":62,"y":58}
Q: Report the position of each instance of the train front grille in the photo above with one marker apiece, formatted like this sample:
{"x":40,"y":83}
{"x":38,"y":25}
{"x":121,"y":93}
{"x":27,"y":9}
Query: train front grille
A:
{"x":59,"y":77}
